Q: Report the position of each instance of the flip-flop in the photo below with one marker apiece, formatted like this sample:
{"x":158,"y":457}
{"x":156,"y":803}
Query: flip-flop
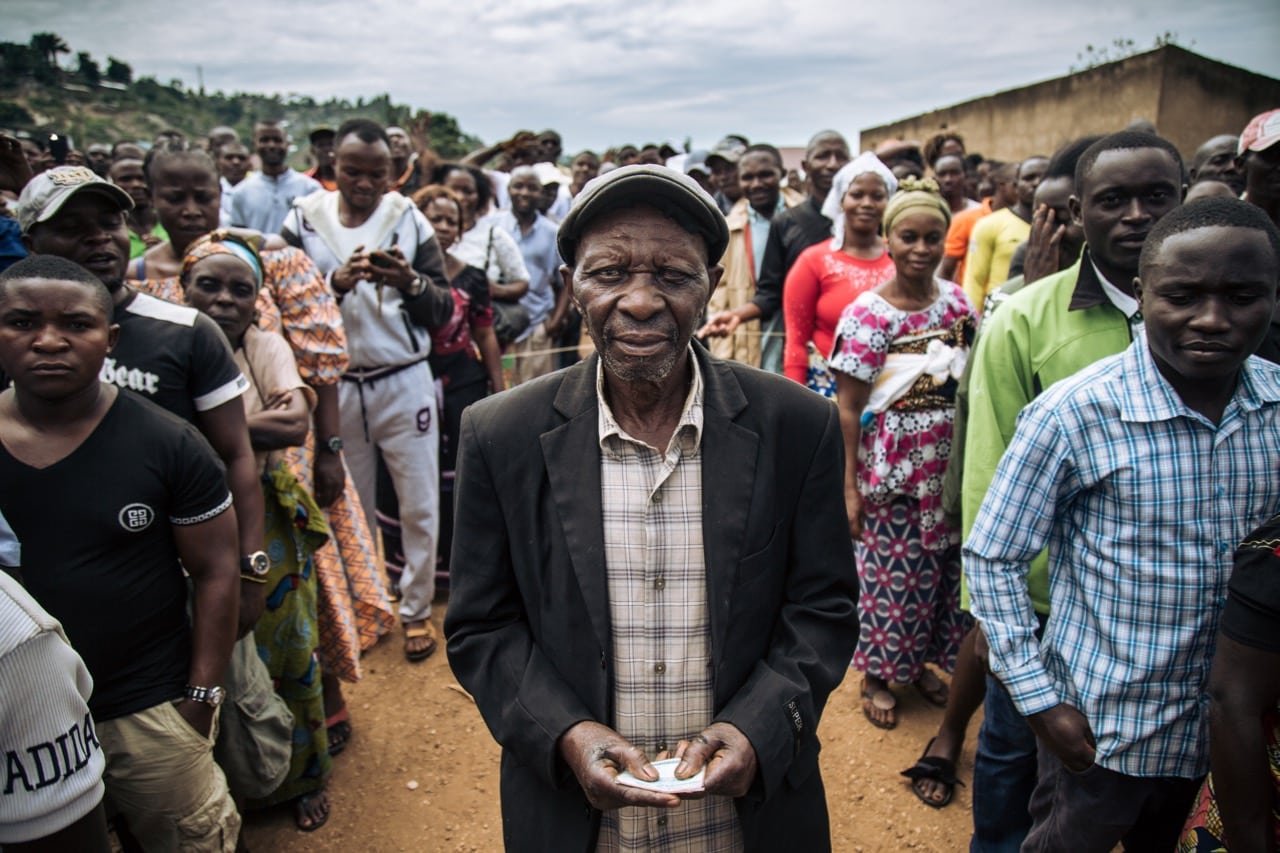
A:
{"x":299,"y":804}
{"x":940,"y":770}
{"x":876,"y":698}
{"x":416,"y":633}
{"x":935,"y":696}
{"x":339,"y":726}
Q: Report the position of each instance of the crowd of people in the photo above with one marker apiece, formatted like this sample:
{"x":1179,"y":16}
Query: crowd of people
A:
{"x":1018,"y":436}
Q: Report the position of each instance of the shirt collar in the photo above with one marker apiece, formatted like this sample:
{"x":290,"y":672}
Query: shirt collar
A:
{"x":1088,"y":292}
{"x":1127,"y":304}
{"x":1151,"y":398}
{"x":690,"y":422}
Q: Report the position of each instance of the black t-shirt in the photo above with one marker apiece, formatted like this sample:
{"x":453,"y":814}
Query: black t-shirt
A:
{"x":174,"y":356}
{"x":790,"y":233}
{"x":98,"y":551}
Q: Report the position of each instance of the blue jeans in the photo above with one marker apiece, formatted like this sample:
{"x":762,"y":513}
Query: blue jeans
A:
{"x":1004,"y":775}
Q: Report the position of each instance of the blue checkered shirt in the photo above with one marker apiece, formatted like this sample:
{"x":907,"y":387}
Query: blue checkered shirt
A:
{"x":1140,"y":501}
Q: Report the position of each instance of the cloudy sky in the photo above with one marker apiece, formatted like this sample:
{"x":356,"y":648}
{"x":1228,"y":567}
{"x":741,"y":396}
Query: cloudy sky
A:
{"x":606,"y":72}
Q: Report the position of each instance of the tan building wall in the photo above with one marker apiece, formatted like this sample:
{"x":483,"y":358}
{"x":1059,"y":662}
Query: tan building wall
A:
{"x":1189,"y":98}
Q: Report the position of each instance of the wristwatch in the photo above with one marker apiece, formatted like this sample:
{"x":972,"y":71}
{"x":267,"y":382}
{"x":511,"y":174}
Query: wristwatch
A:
{"x":333,"y":444}
{"x":255,"y":567}
{"x":211,"y":696}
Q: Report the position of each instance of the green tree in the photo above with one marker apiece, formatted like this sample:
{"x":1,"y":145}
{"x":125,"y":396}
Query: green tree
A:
{"x":119,"y":72}
{"x":87,"y":68}
{"x":49,"y":45}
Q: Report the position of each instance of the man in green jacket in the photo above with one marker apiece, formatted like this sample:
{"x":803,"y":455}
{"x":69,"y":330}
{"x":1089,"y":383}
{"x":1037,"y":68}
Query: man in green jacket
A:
{"x":1124,"y":184}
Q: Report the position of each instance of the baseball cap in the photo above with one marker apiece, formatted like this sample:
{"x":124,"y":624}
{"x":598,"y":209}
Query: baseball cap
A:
{"x":636,"y":185}
{"x":321,"y":132}
{"x":46,"y":193}
{"x":730,"y":149}
{"x":1260,"y":133}
{"x":696,"y":161}
{"x":548,"y":174}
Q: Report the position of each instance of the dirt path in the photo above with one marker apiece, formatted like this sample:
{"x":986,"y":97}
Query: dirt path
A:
{"x":421,"y":772}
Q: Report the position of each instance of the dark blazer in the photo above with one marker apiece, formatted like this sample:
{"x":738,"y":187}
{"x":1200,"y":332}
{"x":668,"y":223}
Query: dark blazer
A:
{"x":528,"y":619}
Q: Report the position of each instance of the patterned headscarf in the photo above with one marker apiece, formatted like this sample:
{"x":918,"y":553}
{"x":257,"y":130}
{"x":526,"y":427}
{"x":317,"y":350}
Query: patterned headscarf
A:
{"x":223,"y":243}
{"x":833,"y":207}
{"x":918,"y":195}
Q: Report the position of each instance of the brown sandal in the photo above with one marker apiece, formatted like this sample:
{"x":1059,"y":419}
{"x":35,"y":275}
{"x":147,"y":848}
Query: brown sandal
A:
{"x":421,"y":654}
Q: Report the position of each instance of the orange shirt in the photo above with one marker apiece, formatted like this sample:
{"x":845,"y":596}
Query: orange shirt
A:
{"x":958,"y":234}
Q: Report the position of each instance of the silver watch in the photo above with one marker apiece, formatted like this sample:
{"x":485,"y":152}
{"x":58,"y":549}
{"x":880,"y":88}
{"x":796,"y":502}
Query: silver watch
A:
{"x":211,"y":696}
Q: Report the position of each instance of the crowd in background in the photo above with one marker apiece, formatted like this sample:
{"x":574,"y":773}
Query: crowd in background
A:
{"x":931,"y":293}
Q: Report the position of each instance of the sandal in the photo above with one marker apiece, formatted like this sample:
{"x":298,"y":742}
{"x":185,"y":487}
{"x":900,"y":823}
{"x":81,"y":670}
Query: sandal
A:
{"x":880,"y":699}
{"x":940,"y":770}
{"x":339,"y":726}
{"x":936,"y":693}
{"x":303,"y":816}
{"x":420,"y":654}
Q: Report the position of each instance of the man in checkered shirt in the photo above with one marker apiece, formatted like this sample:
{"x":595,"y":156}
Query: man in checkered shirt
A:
{"x":651,"y":558}
{"x":1140,"y":474}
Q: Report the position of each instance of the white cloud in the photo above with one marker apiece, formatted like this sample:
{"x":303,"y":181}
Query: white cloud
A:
{"x":610,"y":71}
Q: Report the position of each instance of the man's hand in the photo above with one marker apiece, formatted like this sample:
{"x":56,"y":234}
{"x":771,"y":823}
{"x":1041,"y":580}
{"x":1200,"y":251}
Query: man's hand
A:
{"x":719,"y":325}
{"x":199,"y":715}
{"x":15,"y":171}
{"x":597,"y":754}
{"x":389,"y":267}
{"x":253,"y":600}
{"x":853,"y":509}
{"x":1042,"y":246}
{"x":1067,"y":734}
{"x":330,"y":476}
{"x":356,"y":269}
{"x":728,"y":755}
{"x":150,"y":240}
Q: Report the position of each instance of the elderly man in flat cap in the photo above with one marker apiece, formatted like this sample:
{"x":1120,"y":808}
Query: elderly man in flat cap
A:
{"x":651,"y":558}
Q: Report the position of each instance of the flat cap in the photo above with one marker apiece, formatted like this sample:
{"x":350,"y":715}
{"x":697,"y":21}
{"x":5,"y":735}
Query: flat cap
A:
{"x":656,"y":186}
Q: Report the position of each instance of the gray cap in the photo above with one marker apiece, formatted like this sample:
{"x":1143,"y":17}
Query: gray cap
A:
{"x":46,"y":193}
{"x":639,"y":185}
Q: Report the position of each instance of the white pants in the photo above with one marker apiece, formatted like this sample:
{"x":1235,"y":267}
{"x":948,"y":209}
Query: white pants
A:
{"x":397,"y":415}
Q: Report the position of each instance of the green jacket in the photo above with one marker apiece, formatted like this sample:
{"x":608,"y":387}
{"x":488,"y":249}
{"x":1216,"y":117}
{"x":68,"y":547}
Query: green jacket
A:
{"x":1040,"y":334}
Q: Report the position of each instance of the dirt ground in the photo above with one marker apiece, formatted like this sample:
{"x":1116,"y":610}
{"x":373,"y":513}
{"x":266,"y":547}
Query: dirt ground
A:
{"x":421,"y":772}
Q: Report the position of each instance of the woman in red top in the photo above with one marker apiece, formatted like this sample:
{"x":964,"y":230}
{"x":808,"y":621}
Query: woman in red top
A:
{"x":831,"y":274}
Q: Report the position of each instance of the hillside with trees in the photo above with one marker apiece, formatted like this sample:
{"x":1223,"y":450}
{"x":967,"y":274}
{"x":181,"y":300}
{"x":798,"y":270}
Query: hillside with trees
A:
{"x":92,"y":101}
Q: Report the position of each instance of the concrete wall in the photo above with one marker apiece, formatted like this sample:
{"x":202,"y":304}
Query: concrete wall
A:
{"x":1187,"y":96}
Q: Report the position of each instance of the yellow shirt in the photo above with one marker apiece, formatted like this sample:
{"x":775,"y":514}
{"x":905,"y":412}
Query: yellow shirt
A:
{"x":991,"y":248}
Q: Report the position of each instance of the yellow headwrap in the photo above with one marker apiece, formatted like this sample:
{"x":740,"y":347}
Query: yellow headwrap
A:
{"x":916,"y":196}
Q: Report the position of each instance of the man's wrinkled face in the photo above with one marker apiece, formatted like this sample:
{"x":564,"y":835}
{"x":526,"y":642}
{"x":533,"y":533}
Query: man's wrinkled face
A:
{"x":821,"y":162}
{"x":641,"y":283}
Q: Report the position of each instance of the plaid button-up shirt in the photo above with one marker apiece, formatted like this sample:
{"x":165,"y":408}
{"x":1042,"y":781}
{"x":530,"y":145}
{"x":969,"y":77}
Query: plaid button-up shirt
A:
{"x":1140,"y":501}
{"x":657,"y":582}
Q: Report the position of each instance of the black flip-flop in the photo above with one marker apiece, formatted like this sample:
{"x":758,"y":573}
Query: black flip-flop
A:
{"x":941,"y":770}
{"x":301,"y":802}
